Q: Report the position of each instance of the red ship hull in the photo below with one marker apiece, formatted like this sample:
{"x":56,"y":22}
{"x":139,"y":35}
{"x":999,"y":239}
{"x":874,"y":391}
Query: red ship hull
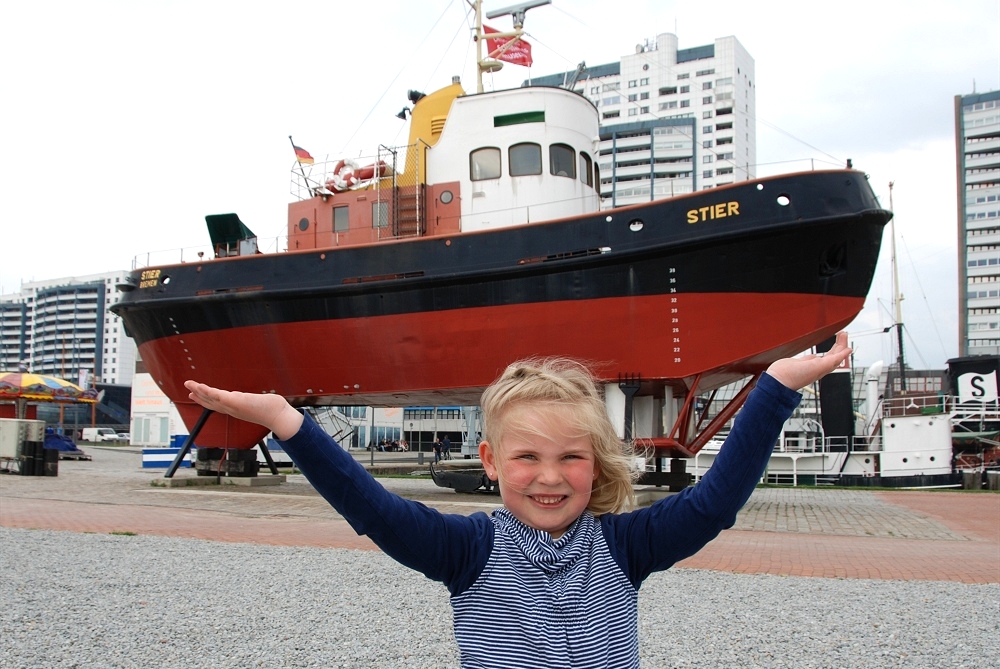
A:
{"x":447,"y":358}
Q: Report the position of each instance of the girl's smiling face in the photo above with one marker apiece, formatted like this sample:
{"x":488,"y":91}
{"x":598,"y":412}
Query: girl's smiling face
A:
{"x":546,"y":473}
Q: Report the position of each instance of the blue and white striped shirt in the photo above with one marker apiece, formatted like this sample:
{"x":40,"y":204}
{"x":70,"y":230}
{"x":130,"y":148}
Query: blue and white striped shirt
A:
{"x":523,"y":600}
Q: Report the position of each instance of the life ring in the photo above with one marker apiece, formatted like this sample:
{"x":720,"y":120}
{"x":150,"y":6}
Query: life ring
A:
{"x":343,"y":178}
{"x":347,"y":174}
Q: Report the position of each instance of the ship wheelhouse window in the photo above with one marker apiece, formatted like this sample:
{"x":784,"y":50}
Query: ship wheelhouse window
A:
{"x":484,"y":164}
{"x":586,"y":173}
{"x":340,"y":219}
{"x":380,"y":214}
{"x":525,"y":159}
{"x":562,"y":161}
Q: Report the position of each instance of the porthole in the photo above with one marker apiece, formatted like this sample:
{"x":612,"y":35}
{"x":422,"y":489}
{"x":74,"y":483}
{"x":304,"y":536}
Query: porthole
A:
{"x":868,"y":461}
{"x":635,"y":225}
{"x":303,"y":224}
{"x":760,"y":186}
{"x":932,"y":458}
{"x":783,"y":200}
{"x":905,"y":460}
{"x":446,"y":197}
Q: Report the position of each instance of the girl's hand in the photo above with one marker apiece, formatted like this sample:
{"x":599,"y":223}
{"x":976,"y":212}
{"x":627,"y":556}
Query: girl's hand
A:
{"x":798,"y":373}
{"x":271,"y":411}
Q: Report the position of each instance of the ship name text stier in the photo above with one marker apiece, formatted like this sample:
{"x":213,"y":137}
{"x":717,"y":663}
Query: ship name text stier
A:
{"x":710,"y":213}
{"x":149,"y":278}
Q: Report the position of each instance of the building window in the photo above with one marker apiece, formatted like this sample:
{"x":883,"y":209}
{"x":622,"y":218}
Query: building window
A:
{"x":685,"y":89}
{"x":706,"y":86}
{"x":706,"y":129}
{"x":562,"y":161}
{"x":707,"y":114}
{"x":707,"y":144}
{"x":707,"y":100}
{"x":685,"y":75}
{"x":702,"y":73}
{"x":632,"y":83}
{"x":707,"y":159}
{"x":723,"y":126}
{"x":685,"y":103}
{"x":340,"y":220}
{"x":611,"y":114}
{"x":485,"y":164}
{"x":633,"y":112}
{"x":668,"y":105}
{"x":643,"y":110}
{"x":633,"y":97}
{"x":644,"y":95}
{"x":525,"y":159}
{"x":707,"y":174}
{"x":668,"y":90}
{"x":644,"y":81}
{"x":724,"y":170}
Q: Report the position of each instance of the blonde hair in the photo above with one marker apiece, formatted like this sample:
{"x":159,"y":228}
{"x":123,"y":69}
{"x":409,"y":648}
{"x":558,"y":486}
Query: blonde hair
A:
{"x":563,"y":383}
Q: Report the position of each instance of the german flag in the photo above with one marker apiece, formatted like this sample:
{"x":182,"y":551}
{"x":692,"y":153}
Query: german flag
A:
{"x":302,"y":155}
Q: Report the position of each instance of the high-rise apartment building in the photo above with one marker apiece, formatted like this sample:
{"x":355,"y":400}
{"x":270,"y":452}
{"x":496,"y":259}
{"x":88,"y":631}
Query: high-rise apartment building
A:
{"x":977,"y":141}
{"x":65,"y":328}
{"x":673,"y":120}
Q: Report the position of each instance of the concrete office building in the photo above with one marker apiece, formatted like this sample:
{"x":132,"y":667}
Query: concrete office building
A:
{"x":673,"y":121}
{"x":977,"y":143}
{"x":65,"y":328}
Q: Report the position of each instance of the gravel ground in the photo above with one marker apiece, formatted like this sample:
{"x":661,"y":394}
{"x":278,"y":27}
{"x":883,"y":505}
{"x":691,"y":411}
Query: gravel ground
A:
{"x":88,"y":600}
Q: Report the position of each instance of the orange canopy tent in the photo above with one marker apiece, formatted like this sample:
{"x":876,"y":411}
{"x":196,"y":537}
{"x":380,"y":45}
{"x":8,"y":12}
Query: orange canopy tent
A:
{"x":20,"y":388}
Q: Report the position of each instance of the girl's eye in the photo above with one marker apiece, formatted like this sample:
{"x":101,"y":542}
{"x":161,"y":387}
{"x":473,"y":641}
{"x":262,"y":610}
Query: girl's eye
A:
{"x":525,"y":456}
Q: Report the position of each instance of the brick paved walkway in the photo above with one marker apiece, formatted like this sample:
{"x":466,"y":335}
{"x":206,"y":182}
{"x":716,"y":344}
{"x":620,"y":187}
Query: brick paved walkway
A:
{"x":933,"y":535}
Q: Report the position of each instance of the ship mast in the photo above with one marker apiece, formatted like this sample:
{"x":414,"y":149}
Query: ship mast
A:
{"x":489,"y":62}
{"x":897,"y":296}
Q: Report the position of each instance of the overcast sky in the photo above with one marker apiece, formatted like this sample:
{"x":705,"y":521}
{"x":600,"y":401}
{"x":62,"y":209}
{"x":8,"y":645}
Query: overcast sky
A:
{"x":126,"y":122}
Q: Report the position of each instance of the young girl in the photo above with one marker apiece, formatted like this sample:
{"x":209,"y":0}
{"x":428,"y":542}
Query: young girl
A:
{"x":552,"y":578}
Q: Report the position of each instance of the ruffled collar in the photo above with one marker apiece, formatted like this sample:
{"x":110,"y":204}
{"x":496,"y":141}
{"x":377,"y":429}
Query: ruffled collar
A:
{"x":540,"y":549}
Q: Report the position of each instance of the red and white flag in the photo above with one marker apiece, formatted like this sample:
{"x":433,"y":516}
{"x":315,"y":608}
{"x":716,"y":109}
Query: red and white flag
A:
{"x":517,"y":53}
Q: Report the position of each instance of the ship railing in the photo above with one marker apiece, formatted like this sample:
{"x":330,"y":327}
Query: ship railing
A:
{"x":319,"y":178}
{"x":201,"y":253}
{"x":984,"y":411}
{"x":915,"y":405}
{"x":835,"y":444}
